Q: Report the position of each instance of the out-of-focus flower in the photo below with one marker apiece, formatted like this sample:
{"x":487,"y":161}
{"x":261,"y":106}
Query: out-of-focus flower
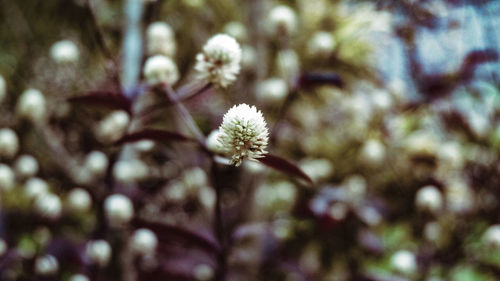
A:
{"x":432,"y":231}
{"x":317,"y":169}
{"x":144,"y":145}
{"x":237,"y":30}
{"x":32,"y":105}
{"x":160,"y":40}
{"x":288,"y":64}
{"x":113,"y":127}
{"x":429,"y":198}
{"x":219,"y":62}
{"x":243,"y":133}
{"x":48,"y":205}
{"x":381,"y":101}
{"x":79,"y":200}
{"x":355,"y":187}
{"x":3,"y":247}
{"x":459,"y":197}
{"x":144,"y":241}
{"x":9,"y":143}
{"x":276,"y":197}
{"x":421,"y":143}
{"x":3,"y":89}
{"x":404,"y":262}
{"x":35,"y":187}
{"x":207,"y":197}
{"x":282,"y":20}
{"x":321,"y":44}
{"x":271,"y":91}
{"x":248,"y":56}
{"x":26,"y":166}
{"x":46,"y":265}
{"x":160,"y":69}
{"x":130,"y":171}
{"x":7,"y":178}
{"x":203,"y":272}
{"x":491,"y":236}
{"x":119,"y":209}
{"x":194,"y":178}
{"x":64,"y":51}
{"x":98,"y":252}
{"x":373,"y":152}
{"x":79,"y":277}
{"x":96,"y":163}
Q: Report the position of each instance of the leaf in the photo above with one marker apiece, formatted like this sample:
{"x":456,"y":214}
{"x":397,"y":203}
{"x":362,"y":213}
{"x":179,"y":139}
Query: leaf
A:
{"x":156,"y":135}
{"x":107,"y":99}
{"x":284,"y":166}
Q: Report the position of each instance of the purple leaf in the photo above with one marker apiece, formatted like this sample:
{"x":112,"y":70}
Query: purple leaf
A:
{"x":153,"y":134}
{"x":284,"y":166}
{"x":107,"y":99}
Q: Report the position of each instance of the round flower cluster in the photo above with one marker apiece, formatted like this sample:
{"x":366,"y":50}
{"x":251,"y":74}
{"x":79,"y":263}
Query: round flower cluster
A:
{"x":158,"y":69}
{"x":243,"y":133}
{"x":219,"y":62}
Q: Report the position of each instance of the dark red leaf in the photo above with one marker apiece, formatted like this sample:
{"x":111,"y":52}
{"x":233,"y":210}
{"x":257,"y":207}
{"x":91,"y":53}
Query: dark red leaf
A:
{"x":107,"y":99}
{"x":153,"y":134}
{"x":284,"y":166}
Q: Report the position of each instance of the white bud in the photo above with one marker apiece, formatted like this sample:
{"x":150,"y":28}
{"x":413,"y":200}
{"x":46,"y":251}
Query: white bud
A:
{"x":46,"y":265}
{"x":321,"y":44}
{"x":130,"y":171}
{"x":429,"y":199}
{"x":79,"y":200}
{"x":160,"y":69}
{"x":96,"y":162}
{"x":79,"y":277}
{"x":219,"y":61}
{"x":48,"y":206}
{"x":98,"y":252}
{"x":7,"y":177}
{"x":64,"y":51}
{"x":271,"y":91}
{"x":3,"y":247}
{"x":237,"y":30}
{"x":26,"y":166}
{"x":212,"y":142}
{"x":288,"y":64}
{"x":491,"y":236}
{"x":113,"y":127}
{"x":9,"y":143}
{"x":3,"y":89}
{"x":35,"y":187}
{"x":119,"y":209}
{"x":203,"y":272}
{"x":32,"y":105}
{"x":144,"y":241}
{"x":373,"y":152}
{"x":282,"y":20}
{"x":160,"y":40}
{"x":404,"y":261}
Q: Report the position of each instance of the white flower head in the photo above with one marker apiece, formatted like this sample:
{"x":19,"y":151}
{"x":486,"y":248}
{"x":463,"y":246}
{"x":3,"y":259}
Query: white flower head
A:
{"x":282,"y":19}
{"x":491,"y":236}
{"x":79,"y":200}
{"x":7,"y":177}
{"x":48,"y":206}
{"x":243,"y":133}
{"x":321,"y":44}
{"x":98,"y":252}
{"x":9,"y":143}
{"x":64,"y":51}
{"x":144,"y":241}
{"x":46,"y":265}
{"x":32,"y":105}
{"x":160,"y":39}
{"x":26,"y":166}
{"x":429,"y":198}
{"x":160,"y":69}
{"x":79,"y":277}
{"x":404,"y":261}
{"x":96,"y":162}
{"x":119,"y":209}
{"x":272,"y":90}
{"x":219,"y":62}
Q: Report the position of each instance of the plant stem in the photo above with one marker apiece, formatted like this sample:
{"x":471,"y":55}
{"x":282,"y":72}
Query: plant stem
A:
{"x":220,"y":274}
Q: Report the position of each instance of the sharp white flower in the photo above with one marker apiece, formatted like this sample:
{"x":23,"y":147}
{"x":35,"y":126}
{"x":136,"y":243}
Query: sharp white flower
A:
{"x":160,"y":69}
{"x":243,"y":133}
{"x":64,"y":51}
{"x":160,"y":39}
{"x":219,"y":62}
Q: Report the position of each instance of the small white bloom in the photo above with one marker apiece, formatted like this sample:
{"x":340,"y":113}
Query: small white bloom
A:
{"x":219,"y":62}
{"x":491,"y":236}
{"x":237,"y":30}
{"x":317,"y":169}
{"x":3,"y":88}
{"x":429,"y":198}
{"x":321,"y":44}
{"x":79,"y":277}
{"x":98,"y":252}
{"x":355,"y":187}
{"x":46,"y":265}
{"x":96,"y":162}
{"x":48,"y":205}
{"x":32,"y":105}
{"x":9,"y":143}
{"x":404,"y":261}
{"x":203,"y":272}
{"x":119,"y":209}
{"x":35,"y":187}
{"x":7,"y":178}
{"x":248,"y":56}
{"x":271,"y":91}
{"x":113,"y":127}
{"x":373,"y":152}
{"x":64,"y":51}
{"x":207,"y":197}
{"x":282,"y":20}
{"x":160,"y":69}
{"x":79,"y":200}
{"x":194,"y":178}
{"x":144,"y":145}
{"x":144,"y":241}
{"x":130,"y":171}
{"x":26,"y":166}
{"x":160,"y":40}
{"x":288,"y":64}
{"x":432,"y":231}
{"x":243,"y":133}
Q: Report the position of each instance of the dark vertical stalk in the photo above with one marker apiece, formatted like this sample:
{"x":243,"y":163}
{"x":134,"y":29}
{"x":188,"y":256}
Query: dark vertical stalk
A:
{"x":221,"y":271}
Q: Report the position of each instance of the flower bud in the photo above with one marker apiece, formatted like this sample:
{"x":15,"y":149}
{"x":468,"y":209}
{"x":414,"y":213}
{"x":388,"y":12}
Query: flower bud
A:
{"x":144,"y":241}
{"x":96,"y":163}
{"x":113,"y":127}
{"x":288,"y":64}
{"x":9,"y":143}
{"x":237,"y":30}
{"x":35,"y":187}
{"x":79,"y":200}
{"x":119,"y":209}
{"x":373,"y":152}
{"x":3,"y":89}
{"x":46,"y":265}
{"x":429,"y":199}
{"x":64,"y":51}
{"x":130,"y":171}
{"x":404,"y":262}
{"x":160,"y":40}
{"x":322,"y":44}
{"x":26,"y":166}
{"x":491,"y":236}
{"x":282,"y":20}
{"x":98,"y":252}
{"x":271,"y":91}
{"x":32,"y":105}
{"x":160,"y":69}
{"x":79,"y":277}
{"x":7,"y":178}
{"x":48,"y":206}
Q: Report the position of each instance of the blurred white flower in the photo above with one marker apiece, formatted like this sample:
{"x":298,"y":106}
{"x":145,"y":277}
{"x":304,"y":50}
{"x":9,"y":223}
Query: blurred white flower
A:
{"x":64,"y":51}
{"x":79,"y":277}
{"x":160,"y":69}
{"x":144,"y":241}
{"x":144,"y":145}
{"x":98,"y":252}
{"x":118,"y":209}
{"x":96,"y":162}
{"x":32,"y":105}
{"x":35,"y":187}
{"x":491,"y":236}
{"x":404,"y":261}
{"x":288,"y":64}
{"x":79,"y":200}
{"x":355,"y":187}
{"x":3,"y":89}
{"x":160,"y":40}
{"x":203,"y":272}
{"x":7,"y":178}
{"x":282,"y":20}
{"x":271,"y":91}
{"x":46,"y":265}
{"x":432,"y":231}
{"x":429,"y":198}
{"x":48,"y":205}
{"x":207,"y":197}
{"x":459,"y":196}
{"x":194,"y":178}
{"x":321,"y":44}
{"x":317,"y":169}
{"x":9,"y":143}
{"x":237,"y":30}
{"x":3,"y":247}
{"x":373,"y":152}
{"x":219,"y":62}
{"x":26,"y":166}
{"x":130,"y":171}
{"x":113,"y":127}
{"x":248,"y":56}
{"x":243,"y":133}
